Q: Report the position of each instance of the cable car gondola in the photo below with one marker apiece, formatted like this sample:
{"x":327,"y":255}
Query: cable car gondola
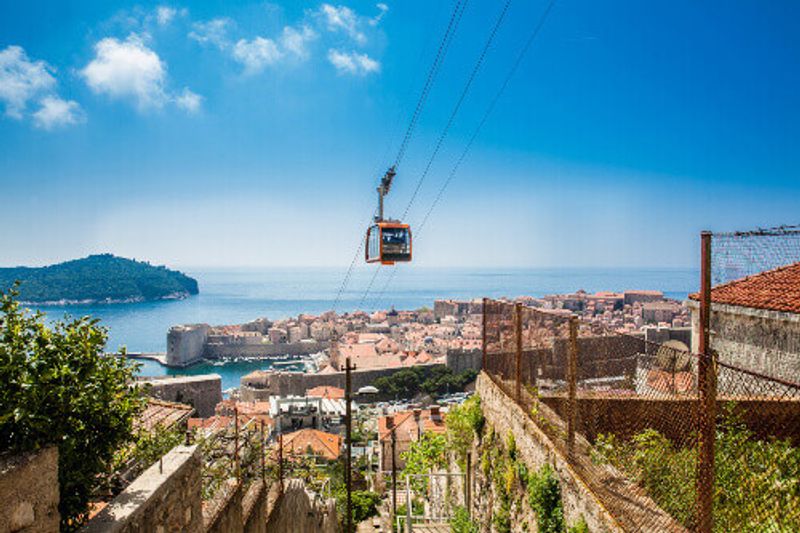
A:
{"x":388,"y":241}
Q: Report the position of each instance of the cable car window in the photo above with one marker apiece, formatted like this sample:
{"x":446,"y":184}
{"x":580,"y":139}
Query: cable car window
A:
{"x":395,"y":236}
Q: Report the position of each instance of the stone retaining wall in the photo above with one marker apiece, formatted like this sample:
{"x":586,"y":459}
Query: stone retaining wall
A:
{"x":29,"y":492}
{"x":166,"y":497}
{"x":202,"y":392}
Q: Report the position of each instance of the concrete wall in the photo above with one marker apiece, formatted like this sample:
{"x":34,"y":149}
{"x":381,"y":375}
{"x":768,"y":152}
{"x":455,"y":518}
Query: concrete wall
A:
{"x":29,"y":492}
{"x":166,"y":497}
{"x":298,"y":511}
{"x":202,"y":392}
{"x":296,"y":383}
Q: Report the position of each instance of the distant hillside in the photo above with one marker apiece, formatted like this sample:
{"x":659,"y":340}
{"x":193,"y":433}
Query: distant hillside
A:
{"x":101,"y":278}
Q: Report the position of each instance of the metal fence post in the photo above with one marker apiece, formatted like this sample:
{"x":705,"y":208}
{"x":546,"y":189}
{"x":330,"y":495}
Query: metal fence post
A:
{"x":518,"y":355}
{"x":707,"y":387}
{"x":263,"y":452}
{"x":237,"y":463}
{"x":572,"y":378}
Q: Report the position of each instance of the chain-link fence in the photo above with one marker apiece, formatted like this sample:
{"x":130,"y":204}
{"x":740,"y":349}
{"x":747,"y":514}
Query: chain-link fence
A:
{"x":666,"y":438}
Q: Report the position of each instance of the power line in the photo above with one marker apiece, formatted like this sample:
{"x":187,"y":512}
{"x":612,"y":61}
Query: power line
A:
{"x":444,"y":45}
{"x":537,"y":29}
{"x":369,"y":287}
{"x":464,"y":92}
{"x":460,"y":101}
{"x":452,"y":25}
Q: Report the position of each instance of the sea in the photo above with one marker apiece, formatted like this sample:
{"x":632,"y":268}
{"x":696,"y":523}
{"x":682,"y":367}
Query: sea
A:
{"x":236,"y":295}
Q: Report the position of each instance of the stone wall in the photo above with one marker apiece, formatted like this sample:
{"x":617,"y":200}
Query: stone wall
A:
{"x":219,"y":350}
{"x":185,"y":344}
{"x":767,"y":342}
{"x":460,"y":360}
{"x":535,"y":449}
{"x":612,"y":503}
{"x":29,"y":492}
{"x":298,"y":511}
{"x":223,"y":513}
{"x":166,"y":497}
{"x":260,"y":387}
{"x":202,"y":392}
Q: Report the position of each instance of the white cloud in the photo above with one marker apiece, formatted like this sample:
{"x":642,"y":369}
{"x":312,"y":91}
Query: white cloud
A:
{"x":214,"y":31}
{"x":256,"y":54}
{"x":22,"y":80}
{"x":127,"y":70}
{"x":352,"y":62}
{"x":56,"y":112}
{"x":296,"y":41}
{"x":165,"y":14}
{"x":382,"y":9}
{"x":189,"y":101}
{"x":345,"y":19}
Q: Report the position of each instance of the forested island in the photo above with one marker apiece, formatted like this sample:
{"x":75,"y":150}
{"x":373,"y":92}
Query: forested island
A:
{"x":103,"y":278}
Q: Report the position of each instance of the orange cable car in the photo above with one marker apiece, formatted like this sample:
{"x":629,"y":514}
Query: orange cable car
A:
{"x":388,"y":241}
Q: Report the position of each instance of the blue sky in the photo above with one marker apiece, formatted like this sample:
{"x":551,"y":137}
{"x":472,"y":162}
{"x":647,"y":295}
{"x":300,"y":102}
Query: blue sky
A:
{"x":253,"y":134}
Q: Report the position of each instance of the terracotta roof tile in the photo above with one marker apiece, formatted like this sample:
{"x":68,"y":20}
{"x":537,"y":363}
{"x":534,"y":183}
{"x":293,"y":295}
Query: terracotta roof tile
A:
{"x":773,"y":290}
{"x":325,"y":444}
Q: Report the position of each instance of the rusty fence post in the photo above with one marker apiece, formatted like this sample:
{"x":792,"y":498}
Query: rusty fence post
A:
{"x":263,"y":452}
{"x":707,"y":388}
{"x":572,"y":385}
{"x":237,"y":463}
{"x":518,"y":351}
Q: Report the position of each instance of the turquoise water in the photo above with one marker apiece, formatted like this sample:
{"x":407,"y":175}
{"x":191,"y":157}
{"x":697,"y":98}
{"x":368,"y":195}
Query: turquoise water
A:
{"x":230,"y":296}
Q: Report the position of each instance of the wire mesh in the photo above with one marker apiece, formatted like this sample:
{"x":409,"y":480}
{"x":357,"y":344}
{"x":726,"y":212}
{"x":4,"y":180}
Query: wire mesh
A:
{"x":736,"y":255}
{"x":626,"y":413}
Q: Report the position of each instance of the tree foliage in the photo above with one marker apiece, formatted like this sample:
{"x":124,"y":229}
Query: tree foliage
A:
{"x":97,"y":278}
{"x":409,"y":382}
{"x":464,"y":424}
{"x":424,"y":455}
{"x":58,"y":388}
{"x":544,"y":496}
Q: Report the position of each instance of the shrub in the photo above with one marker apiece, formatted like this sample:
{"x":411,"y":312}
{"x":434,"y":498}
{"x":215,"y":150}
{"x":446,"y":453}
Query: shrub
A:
{"x":544,"y":496}
{"x":58,"y":388}
{"x":756,"y":481}
{"x":461,"y":522}
{"x":464,"y":423}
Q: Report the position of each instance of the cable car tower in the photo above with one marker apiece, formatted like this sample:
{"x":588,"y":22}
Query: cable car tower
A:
{"x":388,"y":241}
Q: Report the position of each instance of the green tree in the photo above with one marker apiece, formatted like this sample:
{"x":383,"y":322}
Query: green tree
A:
{"x":58,"y":388}
{"x":428,"y":453}
{"x":464,"y":424}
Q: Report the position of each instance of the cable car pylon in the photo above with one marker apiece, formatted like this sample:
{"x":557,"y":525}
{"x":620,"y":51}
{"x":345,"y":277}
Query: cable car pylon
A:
{"x":388,"y":241}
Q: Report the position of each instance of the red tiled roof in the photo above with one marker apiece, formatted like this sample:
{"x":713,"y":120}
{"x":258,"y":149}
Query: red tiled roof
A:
{"x":163,"y":413}
{"x":326,"y":391}
{"x":773,"y":290}
{"x":325,"y":444}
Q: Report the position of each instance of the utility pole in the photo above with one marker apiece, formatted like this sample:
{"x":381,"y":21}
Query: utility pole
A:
{"x":394,"y":467}
{"x":280,"y":462}
{"x":348,"y":474}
